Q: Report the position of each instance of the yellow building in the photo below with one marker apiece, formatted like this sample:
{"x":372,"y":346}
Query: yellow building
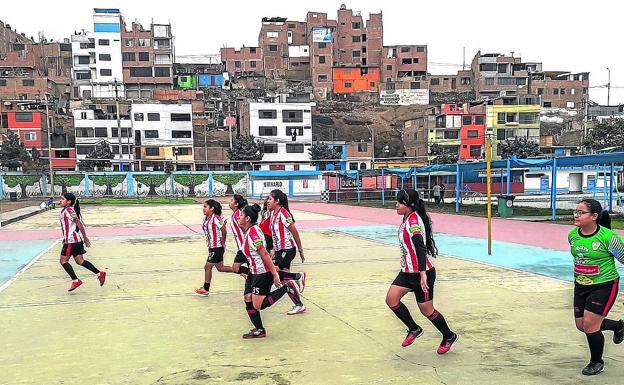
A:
{"x":511,"y":118}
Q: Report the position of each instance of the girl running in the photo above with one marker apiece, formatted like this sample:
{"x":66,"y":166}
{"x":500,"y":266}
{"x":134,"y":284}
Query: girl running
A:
{"x":215,"y":240}
{"x":237,"y":204}
{"x":74,"y":240}
{"x":417,"y":273}
{"x":594,"y":247}
{"x":285,"y":236}
{"x":262,"y":275}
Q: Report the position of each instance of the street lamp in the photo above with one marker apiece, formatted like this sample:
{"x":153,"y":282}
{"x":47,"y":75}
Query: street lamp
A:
{"x":609,"y":87}
{"x":488,"y":159}
{"x":49,"y":127}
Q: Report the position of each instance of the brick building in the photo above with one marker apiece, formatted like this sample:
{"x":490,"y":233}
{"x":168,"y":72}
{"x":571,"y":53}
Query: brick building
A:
{"x":9,"y":37}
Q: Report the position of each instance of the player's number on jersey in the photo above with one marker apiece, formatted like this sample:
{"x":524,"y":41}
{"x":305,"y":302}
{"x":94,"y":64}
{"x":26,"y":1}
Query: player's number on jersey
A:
{"x":255,"y":290}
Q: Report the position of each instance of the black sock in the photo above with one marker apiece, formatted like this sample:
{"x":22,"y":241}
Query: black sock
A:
{"x":286,"y":274}
{"x":242,"y":269}
{"x":609,"y":324}
{"x":88,"y":265}
{"x":404,"y":315}
{"x":439,"y":322}
{"x":207,"y":286}
{"x":70,"y":270}
{"x":595,"y":341}
{"x":273,"y":297}
{"x":254,"y":315}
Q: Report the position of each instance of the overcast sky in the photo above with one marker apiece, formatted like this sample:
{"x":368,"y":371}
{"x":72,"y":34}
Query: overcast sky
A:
{"x":564,"y":35}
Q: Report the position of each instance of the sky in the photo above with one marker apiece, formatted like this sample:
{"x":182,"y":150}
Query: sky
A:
{"x":564,"y":35}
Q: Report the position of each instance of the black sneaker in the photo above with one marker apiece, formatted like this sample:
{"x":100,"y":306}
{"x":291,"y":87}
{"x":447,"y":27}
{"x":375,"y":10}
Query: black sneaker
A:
{"x":593,"y":368}
{"x":618,"y":335}
{"x":255,"y":333}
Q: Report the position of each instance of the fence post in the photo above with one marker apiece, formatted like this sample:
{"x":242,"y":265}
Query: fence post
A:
{"x":130,"y":179}
{"x":171,"y":185}
{"x":250,"y":182}
{"x":429,"y":187}
{"x":554,"y":189}
{"x":611,"y":189}
{"x":337,"y":186}
{"x":87,"y":187}
{"x":291,"y":187}
{"x":2,"y":187}
{"x":604,"y":186}
{"x":457,"y":193}
{"x":414,"y":178}
{"x":383,"y":188}
{"x":357,"y":183}
{"x":508,"y":176}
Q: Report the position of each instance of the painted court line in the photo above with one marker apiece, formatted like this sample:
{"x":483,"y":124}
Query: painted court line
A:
{"x":28,"y":265}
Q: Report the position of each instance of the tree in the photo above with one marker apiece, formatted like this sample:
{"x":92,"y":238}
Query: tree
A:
{"x":35,"y":163}
{"x":65,"y":180}
{"x":12,"y":152}
{"x":191,"y":181}
{"x":99,"y":157}
{"x":246,"y":148}
{"x":442,"y":157}
{"x":22,"y":181}
{"x":107,"y":180}
{"x":153,"y":181}
{"x":522,"y":148}
{"x":606,"y":134}
{"x":229,"y":180}
{"x":320,"y":152}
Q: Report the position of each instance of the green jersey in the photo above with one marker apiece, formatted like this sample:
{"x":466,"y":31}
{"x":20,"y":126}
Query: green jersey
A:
{"x":594,"y":255}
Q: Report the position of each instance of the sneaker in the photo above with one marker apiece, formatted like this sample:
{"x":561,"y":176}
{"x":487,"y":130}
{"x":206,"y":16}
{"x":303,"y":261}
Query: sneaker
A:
{"x":411,"y":336}
{"x":102,"y":277}
{"x":75,"y":285}
{"x":593,"y":368}
{"x":201,"y":291}
{"x":618,"y":335}
{"x":255,"y":333}
{"x":446,"y":345}
{"x":296,"y":309}
{"x":301,"y":280}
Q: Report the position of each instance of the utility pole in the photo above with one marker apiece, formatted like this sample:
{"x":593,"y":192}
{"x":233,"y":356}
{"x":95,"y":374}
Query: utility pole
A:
{"x":488,"y":160}
{"x":49,"y":144}
{"x":372,"y":132}
{"x":118,"y":125}
{"x":609,"y":87}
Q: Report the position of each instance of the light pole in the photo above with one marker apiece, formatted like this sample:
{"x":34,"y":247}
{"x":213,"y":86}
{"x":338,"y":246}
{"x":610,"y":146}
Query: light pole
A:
{"x":372,"y":132}
{"x":488,"y":160}
{"x":609,"y":87}
{"x":49,"y":144}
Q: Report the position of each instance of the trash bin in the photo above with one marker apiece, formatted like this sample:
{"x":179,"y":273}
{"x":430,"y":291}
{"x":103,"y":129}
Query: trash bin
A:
{"x":505,"y":205}
{"x":13,"y":196}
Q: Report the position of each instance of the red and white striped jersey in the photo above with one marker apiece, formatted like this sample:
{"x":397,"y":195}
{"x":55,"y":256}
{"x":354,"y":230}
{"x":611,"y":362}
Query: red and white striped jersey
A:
{"x":212,"y":228}
{"x":282,"y":237}
{"x":253,"y":242}
{"x":236,"y":230}
{"x":71,"y":234}
{"x":413,"y":224}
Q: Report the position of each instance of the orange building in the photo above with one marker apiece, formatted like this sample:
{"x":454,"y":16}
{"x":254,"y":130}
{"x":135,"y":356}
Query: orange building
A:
{"x":355,"y":79}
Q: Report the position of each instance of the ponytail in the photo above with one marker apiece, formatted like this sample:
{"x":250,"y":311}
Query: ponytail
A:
{"x":252,"y":211}
{"x":604,"y":219}
{"x":411,"y":199}
{"x":215,"y":206}
{"x":241,"y":202}
{"x":75,"y":203}
{"x":282,"y":198}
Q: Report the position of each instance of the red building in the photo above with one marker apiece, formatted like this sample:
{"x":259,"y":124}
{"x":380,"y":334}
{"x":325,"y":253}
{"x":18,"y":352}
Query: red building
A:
{"x":27,"y":124}
{"x":355,"y":79}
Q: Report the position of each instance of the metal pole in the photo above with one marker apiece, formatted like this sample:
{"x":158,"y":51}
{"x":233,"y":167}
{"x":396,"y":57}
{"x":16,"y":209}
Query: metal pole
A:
{"x":337,"y":187}
{"x":357,"y":181}
{"x":508,"y":176}
{"x":206,"y":144}
{"x":49,"y":146}
{"x":488,"y":160}
{"x":554,"y":189}
{"x":609,"y":88}
{"x":383,"y":188}
{"x":118,"y":125}
{"x":457,"y":187}
{"x":604,"y":186}
{"x":611,"y":190}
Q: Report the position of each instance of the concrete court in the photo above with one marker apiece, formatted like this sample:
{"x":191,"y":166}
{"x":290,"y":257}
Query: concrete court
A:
{"x":145,"y":326}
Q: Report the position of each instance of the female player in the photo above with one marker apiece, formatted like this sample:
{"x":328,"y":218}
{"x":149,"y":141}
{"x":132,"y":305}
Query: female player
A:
{"x":594,"y":247}
{"x":74,"y":240}
{"x":265,"y":225}
{"x":215,"y":240}
{"x":237,"y":204}
{"x":417,"y":273}
{"x":285,"y":237}
{"x":262,"y":274}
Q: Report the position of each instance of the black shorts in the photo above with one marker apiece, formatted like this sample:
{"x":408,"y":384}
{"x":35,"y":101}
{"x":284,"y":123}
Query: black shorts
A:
{"x":412,"y":281}
{"x":259,"y":284}
{"x":216,"y":255}
{"x":283,"y":258}
{"x":73,"y":249}
{"x":240,"y":257}
{"x":598,"y":299}
{"x":269,"y":242}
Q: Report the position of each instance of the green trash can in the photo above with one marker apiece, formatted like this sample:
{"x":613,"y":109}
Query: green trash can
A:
{"x":505,"y":205}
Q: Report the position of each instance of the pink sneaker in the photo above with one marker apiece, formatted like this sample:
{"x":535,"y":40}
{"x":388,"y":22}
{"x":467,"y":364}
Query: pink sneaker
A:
{"x":446,"y":345}
{"x":411,"y":336}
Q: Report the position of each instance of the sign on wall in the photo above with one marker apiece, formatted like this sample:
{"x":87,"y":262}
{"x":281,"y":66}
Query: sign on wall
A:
{"x":404,"y":97}
{"x":321,"y":35}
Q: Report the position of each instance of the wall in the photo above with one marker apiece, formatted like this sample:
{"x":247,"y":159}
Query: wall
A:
{"x":404,"y":97}
{"x":354,"y":79}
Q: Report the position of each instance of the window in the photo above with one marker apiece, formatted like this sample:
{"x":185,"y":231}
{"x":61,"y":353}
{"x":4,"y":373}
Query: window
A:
{"x":487,"y":67}
{"x":322,"y":45}
{"x":23,"y":117}
{"x":270,"y":148}
{"x":151,"y":134}
{"x":267,"y":114}
{"x":28,"y":82}
{"x":465,"y":81}
{"x":128,"y":42}
{"x":507,"y":81}
{"x":141,"y":72}
{"x":144,"y":56}
{"x":138,"y":116}
{"x":84,"y":132}
{"x":294,"y":130}
{"x":348,"y":85}
{"x":528,"y":117}
{"x":272,"y":48}
{"x":3,"y":83}
{"x":252,"y":64}
{"x":322,"y":78}
{"x":540,"y":91}
{"x":420,"y":49}
{"x":356,"y":39}
{"x":272,"y":34}
{"x":355,"y":25}
{"x":405,"y":49}
{"x":480,"y":120}
{"x":489,"y":81}
{"x":161,"y":72}
{"x":321,"y":59}
{"x":473,"y":133}
{"x":502,"y":68}
{"x":83,"y":75}
{"x":83,"y":115}
{"x":152,"y":151}
{"x":390,"y":86}
{"x":61,"y":154}
{"x":153,"y":116}
{"x":475,"y":151}
{"x":87,"y":45}
{"x":292,"y":116}
{"x":356,"y":54}
{"x":372,"y":84}
{"x":125,"y":132}
{"x":101,"y":132}
{"x":84,"y":150}
{"x":30,"y":136}
{"x":106,"y":72}
{"x":389,"y":67}
{"x":104,"y":57}
{"x":162,"y":44}
{"x":237,"y":64}
{"x":84,"y":59}
{"x":181,"y":118}
{"x":414,"y":85}
{"x":467,"y":120}
{"x":103,"y":42}
{"x":562,"y":91}
{"x":183,"y":151}
{"x":521,"y":81}
{"x":128,"y":56}
{"x":511,"y":117}
{"x":500,"y":134}
{"x":267,"y":131}
{"x":252,"y":49}
{"x":294,"y":148}
{"x":435,"y":81}
{"x":181,"y":134}
{"x":144,"y":43}
{"x":362,"y":147}
{"x":501,"y":118}
{"x":406,"y":61}
{"x":353,"y":165}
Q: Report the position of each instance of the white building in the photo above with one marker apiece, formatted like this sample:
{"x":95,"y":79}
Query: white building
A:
{"x":94,"y":127}
{"x":97,"y":57}
{"x":164,"y":133}
{"x":276,"y":125}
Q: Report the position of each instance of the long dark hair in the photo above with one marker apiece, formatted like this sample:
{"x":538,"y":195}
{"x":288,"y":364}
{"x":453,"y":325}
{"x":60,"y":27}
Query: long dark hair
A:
{"x":265,"y":208}
{"x":75,"y":203}
{"x":252,"y":211}
{"x":604,"y":219}
{"x":282,"y":198}
{"x":241,"y":202}
{"x":216,"y":206}
{"x":411,"y":199}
